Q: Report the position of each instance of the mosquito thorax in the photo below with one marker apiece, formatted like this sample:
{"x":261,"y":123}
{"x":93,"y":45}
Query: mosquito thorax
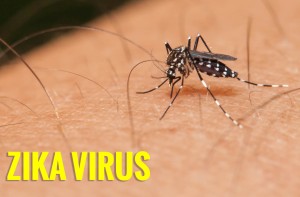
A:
{"x":176,"y":56}
{"x":176,"y":61}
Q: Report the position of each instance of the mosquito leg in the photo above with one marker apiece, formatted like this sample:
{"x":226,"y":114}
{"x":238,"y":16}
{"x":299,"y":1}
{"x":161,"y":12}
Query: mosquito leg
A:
{"x":203,"y":42}
{"x":177,"y":79}
{"x":217,"y":102}
{"x":171,"y":103}
{"x":212,"y":95}
{"x":196,"y":42}
{"x":168,"y":47}
{"x":153,"y":88}
{"x":263,"y":85}
{"x":189,"y":42}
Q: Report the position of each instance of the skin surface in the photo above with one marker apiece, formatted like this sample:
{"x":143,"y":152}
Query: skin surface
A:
{"x":195,"y":150}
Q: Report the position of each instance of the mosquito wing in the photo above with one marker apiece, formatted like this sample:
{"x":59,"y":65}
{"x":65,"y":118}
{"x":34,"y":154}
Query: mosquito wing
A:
{"x":214,"y":56}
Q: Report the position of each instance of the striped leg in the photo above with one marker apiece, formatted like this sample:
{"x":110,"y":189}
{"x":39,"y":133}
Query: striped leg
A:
{"x":263,"y":85}
{"x":189,"y":42}
{"x":168,"y":47}
{"x":177,"y":79}
{"x":197,"y":40}
{"x":216,"y":101}
{"x":153,"y":88}
{"x":171,"y":103}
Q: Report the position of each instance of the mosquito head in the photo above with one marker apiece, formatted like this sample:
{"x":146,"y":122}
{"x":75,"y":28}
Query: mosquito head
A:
{"x":171,"y":75}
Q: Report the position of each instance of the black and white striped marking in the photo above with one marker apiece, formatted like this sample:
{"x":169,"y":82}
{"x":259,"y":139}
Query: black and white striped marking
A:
{"x":184,"y":60}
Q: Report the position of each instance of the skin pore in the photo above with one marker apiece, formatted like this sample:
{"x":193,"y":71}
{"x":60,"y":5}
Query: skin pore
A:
{"x":195,"y":150}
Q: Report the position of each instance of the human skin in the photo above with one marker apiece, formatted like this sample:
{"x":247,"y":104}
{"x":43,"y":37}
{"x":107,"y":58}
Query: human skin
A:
{"x":195,"y":150}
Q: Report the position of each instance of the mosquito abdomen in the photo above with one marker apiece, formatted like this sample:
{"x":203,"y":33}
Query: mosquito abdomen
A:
{"x":215,"y":68}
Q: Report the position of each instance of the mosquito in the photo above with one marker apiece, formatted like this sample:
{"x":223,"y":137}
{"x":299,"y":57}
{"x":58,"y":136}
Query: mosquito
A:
{"x":184,"y":60}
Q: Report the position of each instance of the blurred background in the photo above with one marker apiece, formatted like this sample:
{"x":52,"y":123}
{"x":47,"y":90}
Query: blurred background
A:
{"x":20,"y":18}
